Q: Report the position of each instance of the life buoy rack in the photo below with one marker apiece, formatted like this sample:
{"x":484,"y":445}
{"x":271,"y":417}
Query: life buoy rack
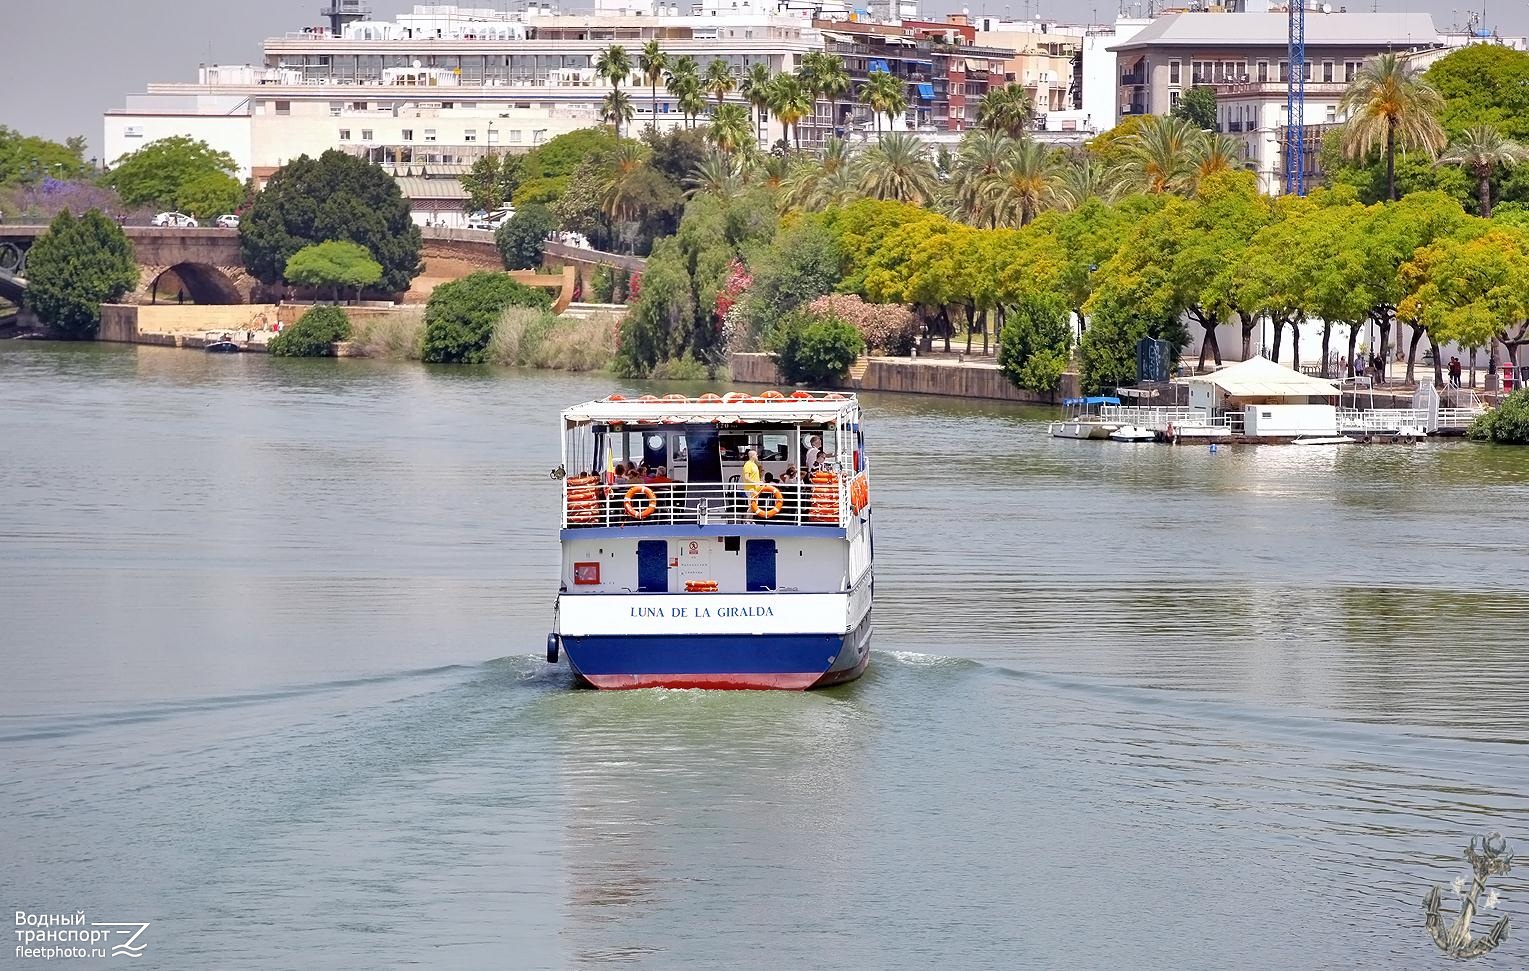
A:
{"x":859,"y":493}
{"x":700,"y":586}
{"x":825,"y":498}
{"x":640,"y":512}
{"x":583,"y":500}
{"x":778,"y":502}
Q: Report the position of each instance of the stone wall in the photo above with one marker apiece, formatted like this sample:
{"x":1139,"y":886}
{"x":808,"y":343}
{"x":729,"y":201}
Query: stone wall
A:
{"x":132,"y":323}
{"x":968,"y":379}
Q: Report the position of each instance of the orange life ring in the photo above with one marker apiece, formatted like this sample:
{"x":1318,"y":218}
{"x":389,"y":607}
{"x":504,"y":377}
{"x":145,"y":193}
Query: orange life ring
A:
{"x":801,"y":395}
{"x":614,"y":397}
{"x":859,"y":493}
{"x":772,"y":510}
{"x":733,"y":397}
{"x":645,"y":511}
{"x":675,"y":397}
{"x":648,"y":398}
{"x":773,"y":395}
{"x":709,"y":397}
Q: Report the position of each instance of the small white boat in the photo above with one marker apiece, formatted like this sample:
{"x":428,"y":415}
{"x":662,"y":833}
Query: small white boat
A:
{"x":1133,"y":433}
{"x":1326,"y":440}
{"x":1081,"y":418}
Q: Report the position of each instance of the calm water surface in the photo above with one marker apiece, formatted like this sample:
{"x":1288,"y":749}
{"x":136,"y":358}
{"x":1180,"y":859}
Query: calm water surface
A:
{"x":269,"y":636}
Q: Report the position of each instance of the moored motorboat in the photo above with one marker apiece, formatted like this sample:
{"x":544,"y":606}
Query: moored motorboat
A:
{"x":1081,"y":418}
{"x":1133,"y":433}
{"x":689,"y":564}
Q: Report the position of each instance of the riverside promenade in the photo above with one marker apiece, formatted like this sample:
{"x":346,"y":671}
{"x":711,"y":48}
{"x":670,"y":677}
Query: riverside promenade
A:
{"x":951,"y":375}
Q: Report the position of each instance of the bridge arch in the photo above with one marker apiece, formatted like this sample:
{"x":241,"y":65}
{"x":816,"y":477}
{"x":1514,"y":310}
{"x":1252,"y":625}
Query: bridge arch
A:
{"x":201,"y":282}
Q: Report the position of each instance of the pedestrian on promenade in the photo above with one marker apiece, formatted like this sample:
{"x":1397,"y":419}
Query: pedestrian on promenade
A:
{"x":1454,"y":372}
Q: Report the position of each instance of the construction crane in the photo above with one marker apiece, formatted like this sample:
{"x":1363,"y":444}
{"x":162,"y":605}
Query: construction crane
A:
{"x":1295,"y":102}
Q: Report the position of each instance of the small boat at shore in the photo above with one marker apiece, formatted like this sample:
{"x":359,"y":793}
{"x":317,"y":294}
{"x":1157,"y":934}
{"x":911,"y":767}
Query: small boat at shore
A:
{"x":1081,"y":418}
{"x":221,"y":344}
{"x":1133,"y":433}
{"x":1325,"y":440}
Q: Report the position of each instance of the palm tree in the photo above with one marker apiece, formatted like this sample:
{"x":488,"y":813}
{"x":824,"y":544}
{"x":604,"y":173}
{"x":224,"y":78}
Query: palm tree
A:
{"x":719,"y":79}
{"x":730,"y":128}
{"x":980,"y":155}
{"x":1085,"y":178}
{"x":620,"y":202}
{"x":1160,"y":154}
{"x":684,"y":83}
{"x":1479,"y":151}
{"x":790,"y":102}
{"x":653,"y":62}
{"x":692,"y":103}
{"x":884,"y":95}
{"x":717,"y":174}
{"x":832,"y":83}
{"x":1212,"y":153}
{"x":898,"y":167}
{"x":1389,"y":104}
{"x":613,"y":65}
{"x":1007,"y":109}
{"x":1023,"y":183}
{"x":617,"y":108}
{"x":755,"y":86}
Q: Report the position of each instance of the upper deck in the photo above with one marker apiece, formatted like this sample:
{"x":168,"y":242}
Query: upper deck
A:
{"x":678,"y":464}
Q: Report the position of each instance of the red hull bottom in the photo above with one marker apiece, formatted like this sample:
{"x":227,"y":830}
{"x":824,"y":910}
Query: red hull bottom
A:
{"x":711,"y":682}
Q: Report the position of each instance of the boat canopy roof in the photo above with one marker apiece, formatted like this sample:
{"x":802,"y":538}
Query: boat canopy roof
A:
{"x":800,"y":408}
{"x":1102,"y":399}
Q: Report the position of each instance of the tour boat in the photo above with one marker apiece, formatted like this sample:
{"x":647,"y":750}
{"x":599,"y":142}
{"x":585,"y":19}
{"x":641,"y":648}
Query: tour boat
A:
{"x":690,"y":574}
{"x":1081,"y":418}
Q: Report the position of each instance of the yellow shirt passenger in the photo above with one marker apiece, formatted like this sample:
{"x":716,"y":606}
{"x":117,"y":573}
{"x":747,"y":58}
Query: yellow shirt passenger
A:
{"x":751,"y":474}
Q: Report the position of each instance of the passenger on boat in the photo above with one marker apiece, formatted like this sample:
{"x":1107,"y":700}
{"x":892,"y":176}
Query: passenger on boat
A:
{"x":660,"y":476}
{"x":752,"y":478}
{"x":788,"y":477}
{"x":814,"y":455}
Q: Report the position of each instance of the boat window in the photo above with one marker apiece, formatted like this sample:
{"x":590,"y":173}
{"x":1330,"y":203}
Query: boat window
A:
{"x":703,"y":453}
{"x":772,"y":446}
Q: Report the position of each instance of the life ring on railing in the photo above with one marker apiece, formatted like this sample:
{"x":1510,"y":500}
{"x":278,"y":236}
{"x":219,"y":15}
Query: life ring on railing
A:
{"x":700,"y":586}
{"x":645,"y":511}
{"x":675,"y":397}
{"x":801,"y":395}
{"x":708,"y":397}
{"x":772,"y":510}
{"x":773,"y":395}
{"x":648,"y":398}
{"x":733,"y":397}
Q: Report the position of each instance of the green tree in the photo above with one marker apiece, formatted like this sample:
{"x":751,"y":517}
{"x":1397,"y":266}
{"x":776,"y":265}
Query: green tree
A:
{"x":651,"y":64}
{"x":76,"y":266}
{"x":1198,"y":107}
{"x":683,"y":82}
{"x":832,"y":82}
{"x":800,"y":264}
{"x":719,"y":79}
{"x":1022,"y":184}
{"x":460,"y":315}
{"x":210,"y":195}
{"x":560,"y":156}
{"x":1507,"y":424}
{"x":617,"y":109}
{"x":614,"y":65}
{"x":1161,"y":155}
{"x":491,"y":182}
{"x":1479,"y":151}
{"x":523,"y":236}
{"x":884,"y":94}
{"x":333,"y":197}
{"x":1389,"y":104}
{"x":755,"y":87}
{"x":333,"y":264}
{"x":157,"y":173}
{"x":1007,"y":110}
{"x":898,"y":167}
{"x":817,"y":350}
{"x":314,"y":334}
{"x":27,"y":158}
{"x":790,"y":102}
{"x":730,"y":129}
{"x":1471,"y":287}
{"x":1483,"y":85}
{"x":1037,"y":326}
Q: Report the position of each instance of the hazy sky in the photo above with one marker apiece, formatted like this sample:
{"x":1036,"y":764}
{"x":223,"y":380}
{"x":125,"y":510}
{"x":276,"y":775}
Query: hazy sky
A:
{"x":64,"y":62}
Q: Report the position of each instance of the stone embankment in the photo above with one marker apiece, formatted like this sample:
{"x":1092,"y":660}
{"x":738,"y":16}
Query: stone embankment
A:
{"x":948,"y":375}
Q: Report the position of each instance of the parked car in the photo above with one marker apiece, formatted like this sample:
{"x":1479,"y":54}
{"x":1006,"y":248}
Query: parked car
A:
{"x":228,"y":221}
{"x":490,"y":220}
{"x":179,"y":219}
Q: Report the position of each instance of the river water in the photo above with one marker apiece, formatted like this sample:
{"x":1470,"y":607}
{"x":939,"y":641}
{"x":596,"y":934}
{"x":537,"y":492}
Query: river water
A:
{"x":270,"y":634}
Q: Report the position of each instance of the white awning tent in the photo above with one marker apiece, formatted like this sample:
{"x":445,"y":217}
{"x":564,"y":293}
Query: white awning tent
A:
{"x":1262,"y":379}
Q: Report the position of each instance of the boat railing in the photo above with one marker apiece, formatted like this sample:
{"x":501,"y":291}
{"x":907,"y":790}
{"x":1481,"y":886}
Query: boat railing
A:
{"x":588,"y":504}
{"x":1155,"y":417}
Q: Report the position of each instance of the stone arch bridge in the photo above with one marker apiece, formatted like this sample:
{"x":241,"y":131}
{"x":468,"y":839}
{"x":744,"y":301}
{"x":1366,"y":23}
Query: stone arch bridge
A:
{"x":206,"y":263}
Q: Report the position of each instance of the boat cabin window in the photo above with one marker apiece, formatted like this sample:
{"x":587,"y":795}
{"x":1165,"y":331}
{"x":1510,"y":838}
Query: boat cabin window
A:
{"x":772,"y":446}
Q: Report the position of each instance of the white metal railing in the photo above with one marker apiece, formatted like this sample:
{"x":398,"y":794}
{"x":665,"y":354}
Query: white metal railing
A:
{"x":705,"y":503}
{"x":1383,"y":419}
{"x":1156,"y":417}
{"x":1459,"y":417}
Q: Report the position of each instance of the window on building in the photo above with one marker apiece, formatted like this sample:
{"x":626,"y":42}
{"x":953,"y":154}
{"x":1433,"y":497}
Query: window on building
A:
{"x":1197,"y":71}
{"x":429,"y":134}
{"x":1350,"y":68}
{"x":1327,"y":70}
{"x":515,"y":136}
{"x":1263,"y":72}
{"x":1332,"y":114}
{"x":1242,"y":70}
{"x":1174,"y":76}
{"x":359,"y":106}
{"x":283,"y":107}
{"x":344,"y":134}
{"x":335,"y":107}
{"x":1173,"y":99}
{"x":1284,"y":71}
{"x":407,"y":134}
{"x":1309,"y":67}
{"x":366,"y":134}
{"x":470,"y":135}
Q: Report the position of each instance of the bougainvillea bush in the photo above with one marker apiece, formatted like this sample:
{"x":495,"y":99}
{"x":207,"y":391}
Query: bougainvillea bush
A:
{"x":887,"y":327}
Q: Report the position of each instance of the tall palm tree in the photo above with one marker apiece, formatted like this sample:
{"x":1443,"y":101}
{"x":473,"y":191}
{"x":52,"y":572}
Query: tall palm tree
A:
{"x":613,"y":65}
{"x":1007,"y":109}
{"x":683,"y":83}
{"x":811,"y":73}
{"x":1160,"y":154}
{"x":730,"y":128}
{"x":1212,"y":153}
{"x":898,"y":167}
{"x":884,"y":94}
{"x":719,"y":79}
{"x":1479,"y":151}
{"x":980,"y":155}
{"x":1389,"y":104}
{"x":653,"y":62}
{"x":620,"y":203}
{"x":617,"y":109}
{"x":717,"y":174}
{"x":833,"y":83}
{"x":755,"y":86}
{"x":1023,"y":183}
{"x":1083,"y":178}
{"x":790,"y":102}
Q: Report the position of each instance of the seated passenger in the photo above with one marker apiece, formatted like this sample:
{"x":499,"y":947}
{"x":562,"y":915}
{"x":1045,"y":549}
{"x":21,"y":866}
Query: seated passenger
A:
{"x":660,"y":475}
{"x":788,"y":477}
{"x":770,"y":477}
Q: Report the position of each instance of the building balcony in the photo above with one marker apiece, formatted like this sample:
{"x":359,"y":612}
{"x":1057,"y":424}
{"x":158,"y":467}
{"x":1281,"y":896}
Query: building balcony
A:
{"x":1133,"y":79}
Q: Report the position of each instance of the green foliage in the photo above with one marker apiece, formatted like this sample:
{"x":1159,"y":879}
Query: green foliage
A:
{"x":817,"y":350}
{"x":1198,"y":107}
{"x":209,"y":196}
{"x":313,"y":335}
{"x":799,"y":264}
{"x":1043,"y":372}
{"x":1484,"y":84}
{"x":523,"y":236}
{"x":334,"y":264}
{"x":491,"y":182}
{"x":1507,"y":424}
{"x":663,"y":318}
{"x":159,"y":172}
{"x":27,"y":158}
{"x":533,"y":337}
{"x":1415,"y":172}
{"x":560,"y":156}
{"x":1036,"y":326}
{"x":76,"y":266}
{"x":333,"y":197}
{"x":580,"y":209}
{"x":461,"y":315}
{"x":540,"y":192}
